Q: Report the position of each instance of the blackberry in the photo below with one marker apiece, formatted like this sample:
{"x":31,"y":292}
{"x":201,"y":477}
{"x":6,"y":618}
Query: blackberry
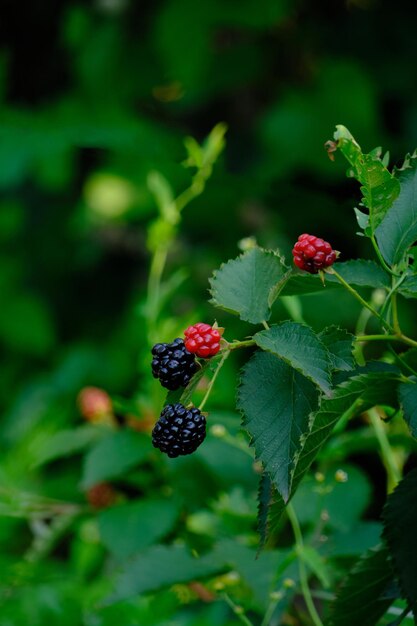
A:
{"x":173,"y":364}
{"x":312,"y":254}
{"x":179,"y":430}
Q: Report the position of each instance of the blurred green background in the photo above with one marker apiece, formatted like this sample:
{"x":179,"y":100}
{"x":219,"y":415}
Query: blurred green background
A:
{"x":96,"y":95}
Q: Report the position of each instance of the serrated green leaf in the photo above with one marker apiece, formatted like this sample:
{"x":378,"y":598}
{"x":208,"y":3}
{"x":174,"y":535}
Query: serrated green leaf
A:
{"x":360,"y":599}
{"x":162,"y":566}
{"x":407,"y":395}
{"x":400,"y":523}
{"x":358,"y":393}
{"x":398,"y":230}
{"x":114,"y":455}
{"x":339,"y":344}
{"x":67,"y":442}
{"x":300,"y":348}
{"x":379,"y":187}
{"x":409,"y":287}
{"x":244,"y":285}
{"x":276,"y":402}
{"x":358,"y":273}
{"x":131,"y":527}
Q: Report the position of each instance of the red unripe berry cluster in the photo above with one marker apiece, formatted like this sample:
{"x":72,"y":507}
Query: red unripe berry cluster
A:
{"x":312,"y":254}
{"x":94,"y":403}
{"x":202,"y":340}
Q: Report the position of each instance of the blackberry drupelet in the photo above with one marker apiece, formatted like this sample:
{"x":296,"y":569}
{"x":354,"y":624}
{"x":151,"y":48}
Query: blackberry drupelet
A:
{"x":173,"y":364}
{"x":179,"y":431}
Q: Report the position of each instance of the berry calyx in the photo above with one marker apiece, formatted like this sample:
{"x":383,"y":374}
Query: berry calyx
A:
{"x":203,"y":340}
{"x":173,"y":364}
{"x":312,"y":254}
{"x":179,"y":430}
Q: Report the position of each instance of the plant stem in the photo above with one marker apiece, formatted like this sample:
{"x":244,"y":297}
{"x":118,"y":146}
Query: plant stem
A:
{"x":358,"y":297}
{"x":394,"y":309}
{"x":377,"y":338}
{"x":213,"y":380}
{"x":299,"y":545}
{"x":265,"y":324}
{"x":237,"y":610}
{"x":381,"y":258}
{"x":236,"y":345}
{"x":387,"y":455}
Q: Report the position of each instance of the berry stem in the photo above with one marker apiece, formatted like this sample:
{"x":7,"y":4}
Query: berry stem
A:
{"x":213,"y":380}
{"x":362,"y":338}
{"x":387,"y":455}
{"x":356,"y":295}
{"x":381,"y":258}
{"x":299,"y":547}
{"x":237,"y":610}
{"x":236,"y":345}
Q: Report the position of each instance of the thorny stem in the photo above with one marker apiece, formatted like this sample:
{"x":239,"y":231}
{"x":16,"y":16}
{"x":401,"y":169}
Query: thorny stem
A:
{"x":213,"y":380}
{"x":299,"y":546}
{"x":393,"y":472}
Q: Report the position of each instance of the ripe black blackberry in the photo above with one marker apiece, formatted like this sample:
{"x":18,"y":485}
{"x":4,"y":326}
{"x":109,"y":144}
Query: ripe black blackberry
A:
{"x":173,"y":364}
{"x":179,"y":430}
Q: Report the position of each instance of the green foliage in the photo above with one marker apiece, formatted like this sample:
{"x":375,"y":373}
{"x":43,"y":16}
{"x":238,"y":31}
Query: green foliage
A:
{"x":379,"y":187}
{"x":276,"y":402}
{"x":131,"y":527}
{"x":361,"y":597}
{"x":114,"y":455}
{"x":248,"y":285}
{"x":400,"y":518}
{"x":300,"y":348}
{"x":398,"y":230}
{"x":407,"y":395}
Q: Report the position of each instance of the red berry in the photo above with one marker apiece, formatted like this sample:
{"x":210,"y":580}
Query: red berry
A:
{"x":94,"y":404}
{"x":312,"y":254}
{"x":101,"y":495}
{"x":202,"y":340}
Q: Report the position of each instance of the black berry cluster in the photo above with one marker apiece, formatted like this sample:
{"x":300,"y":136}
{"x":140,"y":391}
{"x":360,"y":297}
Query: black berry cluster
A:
{"x":173,"y":364}
{"x":179,"y":430}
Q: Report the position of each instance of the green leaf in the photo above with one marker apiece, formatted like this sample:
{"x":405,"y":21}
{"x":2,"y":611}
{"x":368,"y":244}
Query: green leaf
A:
{"x":379,"y":187}
{"x":131,"y":527}
{"x":300,"y":348}
{"x":398,"y":231}
{"x":351,"y":397}
{"x":407,"y":395}
{"x":360,"y":599}
{"x":162,"y":566}
{"x":339,"y":344}
{"x":400,"y":523}
{"x":276,"y":402}
{"x":247,"y":285}
{"x":67,"y":442}
{"x":113,"y":456}
{"x":358,"y":273}
{"x":264,"y":503}
{"x":409,"y":287}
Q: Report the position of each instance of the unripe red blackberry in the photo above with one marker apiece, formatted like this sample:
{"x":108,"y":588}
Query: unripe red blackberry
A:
{"x":312,"y":254}
{"x":94,"y":404}
{"x":173,"y":364}
{"x":101,"y":495}
{"x":202,"y":340}
{"x":179,"y":430}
